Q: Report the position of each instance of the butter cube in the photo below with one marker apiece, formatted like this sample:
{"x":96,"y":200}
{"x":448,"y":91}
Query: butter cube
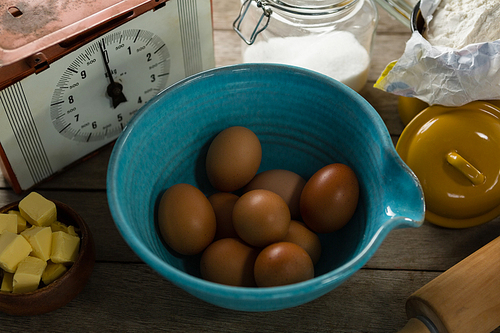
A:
{"x":13,"y":249}
{"x":65,"y":247}
{"x":40,"y":239}
{"x":8,"y":222}
{"x":72,"y":231}
{"x":37,"y":210}
{"x":28,"y":275}
{"x":58,"y":226}
{"x":21,"y":221}
{"x":7,"y":282}
{"x":52,"y":272}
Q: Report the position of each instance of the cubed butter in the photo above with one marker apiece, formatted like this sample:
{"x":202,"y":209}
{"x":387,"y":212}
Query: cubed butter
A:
{"x":8,"y":222}
{"x":13,"y":249}
{"x":37,"y":210}
{"x":72,"y":231}
{"x":40,"y":239}
{"x":65,"y":247}
{"x":58,"y":226}
{"x":7,"y":282}
{"x":53,"y":271}
{"x":21,"y":221}
{"x":28,"y":275}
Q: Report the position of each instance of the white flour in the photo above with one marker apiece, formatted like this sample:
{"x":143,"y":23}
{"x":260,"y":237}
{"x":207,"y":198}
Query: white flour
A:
{"x":458,"y":23}
{"x":337,"y":54}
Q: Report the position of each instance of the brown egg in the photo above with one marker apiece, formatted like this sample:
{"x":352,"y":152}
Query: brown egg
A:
{"x":329,"y":198}
{"x":301,"y":235}
{"x":229,"y":261}
{"x":286,"y":183}
{"x":282,"y":263}
{"x":233,"y":158}
{"x":261,"y":217}
{"x":186,"y":219}
{"x":223,"y":204}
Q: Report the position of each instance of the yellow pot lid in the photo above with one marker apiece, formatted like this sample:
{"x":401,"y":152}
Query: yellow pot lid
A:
{"x":455,"y":153}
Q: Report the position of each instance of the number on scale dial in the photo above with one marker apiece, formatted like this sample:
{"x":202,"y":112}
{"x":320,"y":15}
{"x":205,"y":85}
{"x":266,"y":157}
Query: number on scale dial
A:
{"x":107,"y":82}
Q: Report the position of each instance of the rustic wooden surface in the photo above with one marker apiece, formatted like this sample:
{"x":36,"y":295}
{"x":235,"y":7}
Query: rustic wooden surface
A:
{"x":125,"y":295}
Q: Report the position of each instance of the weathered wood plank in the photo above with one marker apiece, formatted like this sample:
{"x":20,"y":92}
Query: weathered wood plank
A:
{"x":227,"y":48}
{"x":224,"y":13}
{"x":431,"y":247}
{"x":131,"y":297}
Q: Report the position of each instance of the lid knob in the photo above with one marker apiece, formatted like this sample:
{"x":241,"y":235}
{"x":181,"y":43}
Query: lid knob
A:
{"x":467,"y":169}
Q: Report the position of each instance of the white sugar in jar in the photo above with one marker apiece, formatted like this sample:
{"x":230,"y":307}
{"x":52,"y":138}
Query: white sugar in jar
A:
{"x":333,"y":37}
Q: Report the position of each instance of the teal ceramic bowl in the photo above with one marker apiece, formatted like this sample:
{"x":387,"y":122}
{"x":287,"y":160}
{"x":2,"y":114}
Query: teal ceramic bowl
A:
{"x":304,"y":121}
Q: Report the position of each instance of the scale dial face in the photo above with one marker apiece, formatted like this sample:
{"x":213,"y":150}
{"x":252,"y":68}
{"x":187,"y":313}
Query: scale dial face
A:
{"x":107,"y":82}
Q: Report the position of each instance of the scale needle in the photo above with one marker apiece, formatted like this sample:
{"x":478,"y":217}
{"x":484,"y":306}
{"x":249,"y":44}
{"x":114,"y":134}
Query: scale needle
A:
{"x":114,"y":89}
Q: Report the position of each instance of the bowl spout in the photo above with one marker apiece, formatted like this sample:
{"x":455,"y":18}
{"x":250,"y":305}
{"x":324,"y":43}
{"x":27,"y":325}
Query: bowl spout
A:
{"x":403,"y":195}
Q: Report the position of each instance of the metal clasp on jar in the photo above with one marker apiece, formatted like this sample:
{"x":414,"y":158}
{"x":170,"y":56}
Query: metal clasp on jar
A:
{"x":266,"y":13}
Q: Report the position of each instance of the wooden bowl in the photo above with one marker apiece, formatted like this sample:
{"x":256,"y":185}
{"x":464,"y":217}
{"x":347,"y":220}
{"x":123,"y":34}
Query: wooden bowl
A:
{"x":65,"y":288}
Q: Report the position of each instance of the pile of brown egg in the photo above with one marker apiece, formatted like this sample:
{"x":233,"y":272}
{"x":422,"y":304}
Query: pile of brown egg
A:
{"x":266,"y":235}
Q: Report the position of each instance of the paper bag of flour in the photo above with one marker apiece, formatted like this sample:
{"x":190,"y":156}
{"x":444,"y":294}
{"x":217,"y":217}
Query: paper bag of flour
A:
{"x":447,"y":75}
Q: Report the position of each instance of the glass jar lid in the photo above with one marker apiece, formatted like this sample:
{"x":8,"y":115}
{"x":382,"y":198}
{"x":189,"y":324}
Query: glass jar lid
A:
{"x":303,"y":8}
{"x":308,"y":7}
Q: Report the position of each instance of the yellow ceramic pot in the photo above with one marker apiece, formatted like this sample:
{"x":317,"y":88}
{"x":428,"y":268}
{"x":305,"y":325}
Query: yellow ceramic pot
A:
{"x":409,"y":107}
{"x":455,"y":153}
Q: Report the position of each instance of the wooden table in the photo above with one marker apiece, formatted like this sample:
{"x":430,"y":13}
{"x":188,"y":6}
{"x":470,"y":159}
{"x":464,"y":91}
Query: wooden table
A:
{"x":124,"y":294}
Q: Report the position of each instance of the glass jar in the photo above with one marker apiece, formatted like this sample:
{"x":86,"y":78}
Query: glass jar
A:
{"x":333,"y":37}
{"x":399,"y":9}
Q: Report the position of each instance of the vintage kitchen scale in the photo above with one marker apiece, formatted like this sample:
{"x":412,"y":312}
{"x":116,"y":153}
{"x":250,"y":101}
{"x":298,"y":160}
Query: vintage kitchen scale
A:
{"x":73,"y":73}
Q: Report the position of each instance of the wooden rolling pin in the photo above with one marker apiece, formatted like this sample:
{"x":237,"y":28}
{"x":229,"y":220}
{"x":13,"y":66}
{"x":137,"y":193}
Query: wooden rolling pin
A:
{"x":464,"y":299}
